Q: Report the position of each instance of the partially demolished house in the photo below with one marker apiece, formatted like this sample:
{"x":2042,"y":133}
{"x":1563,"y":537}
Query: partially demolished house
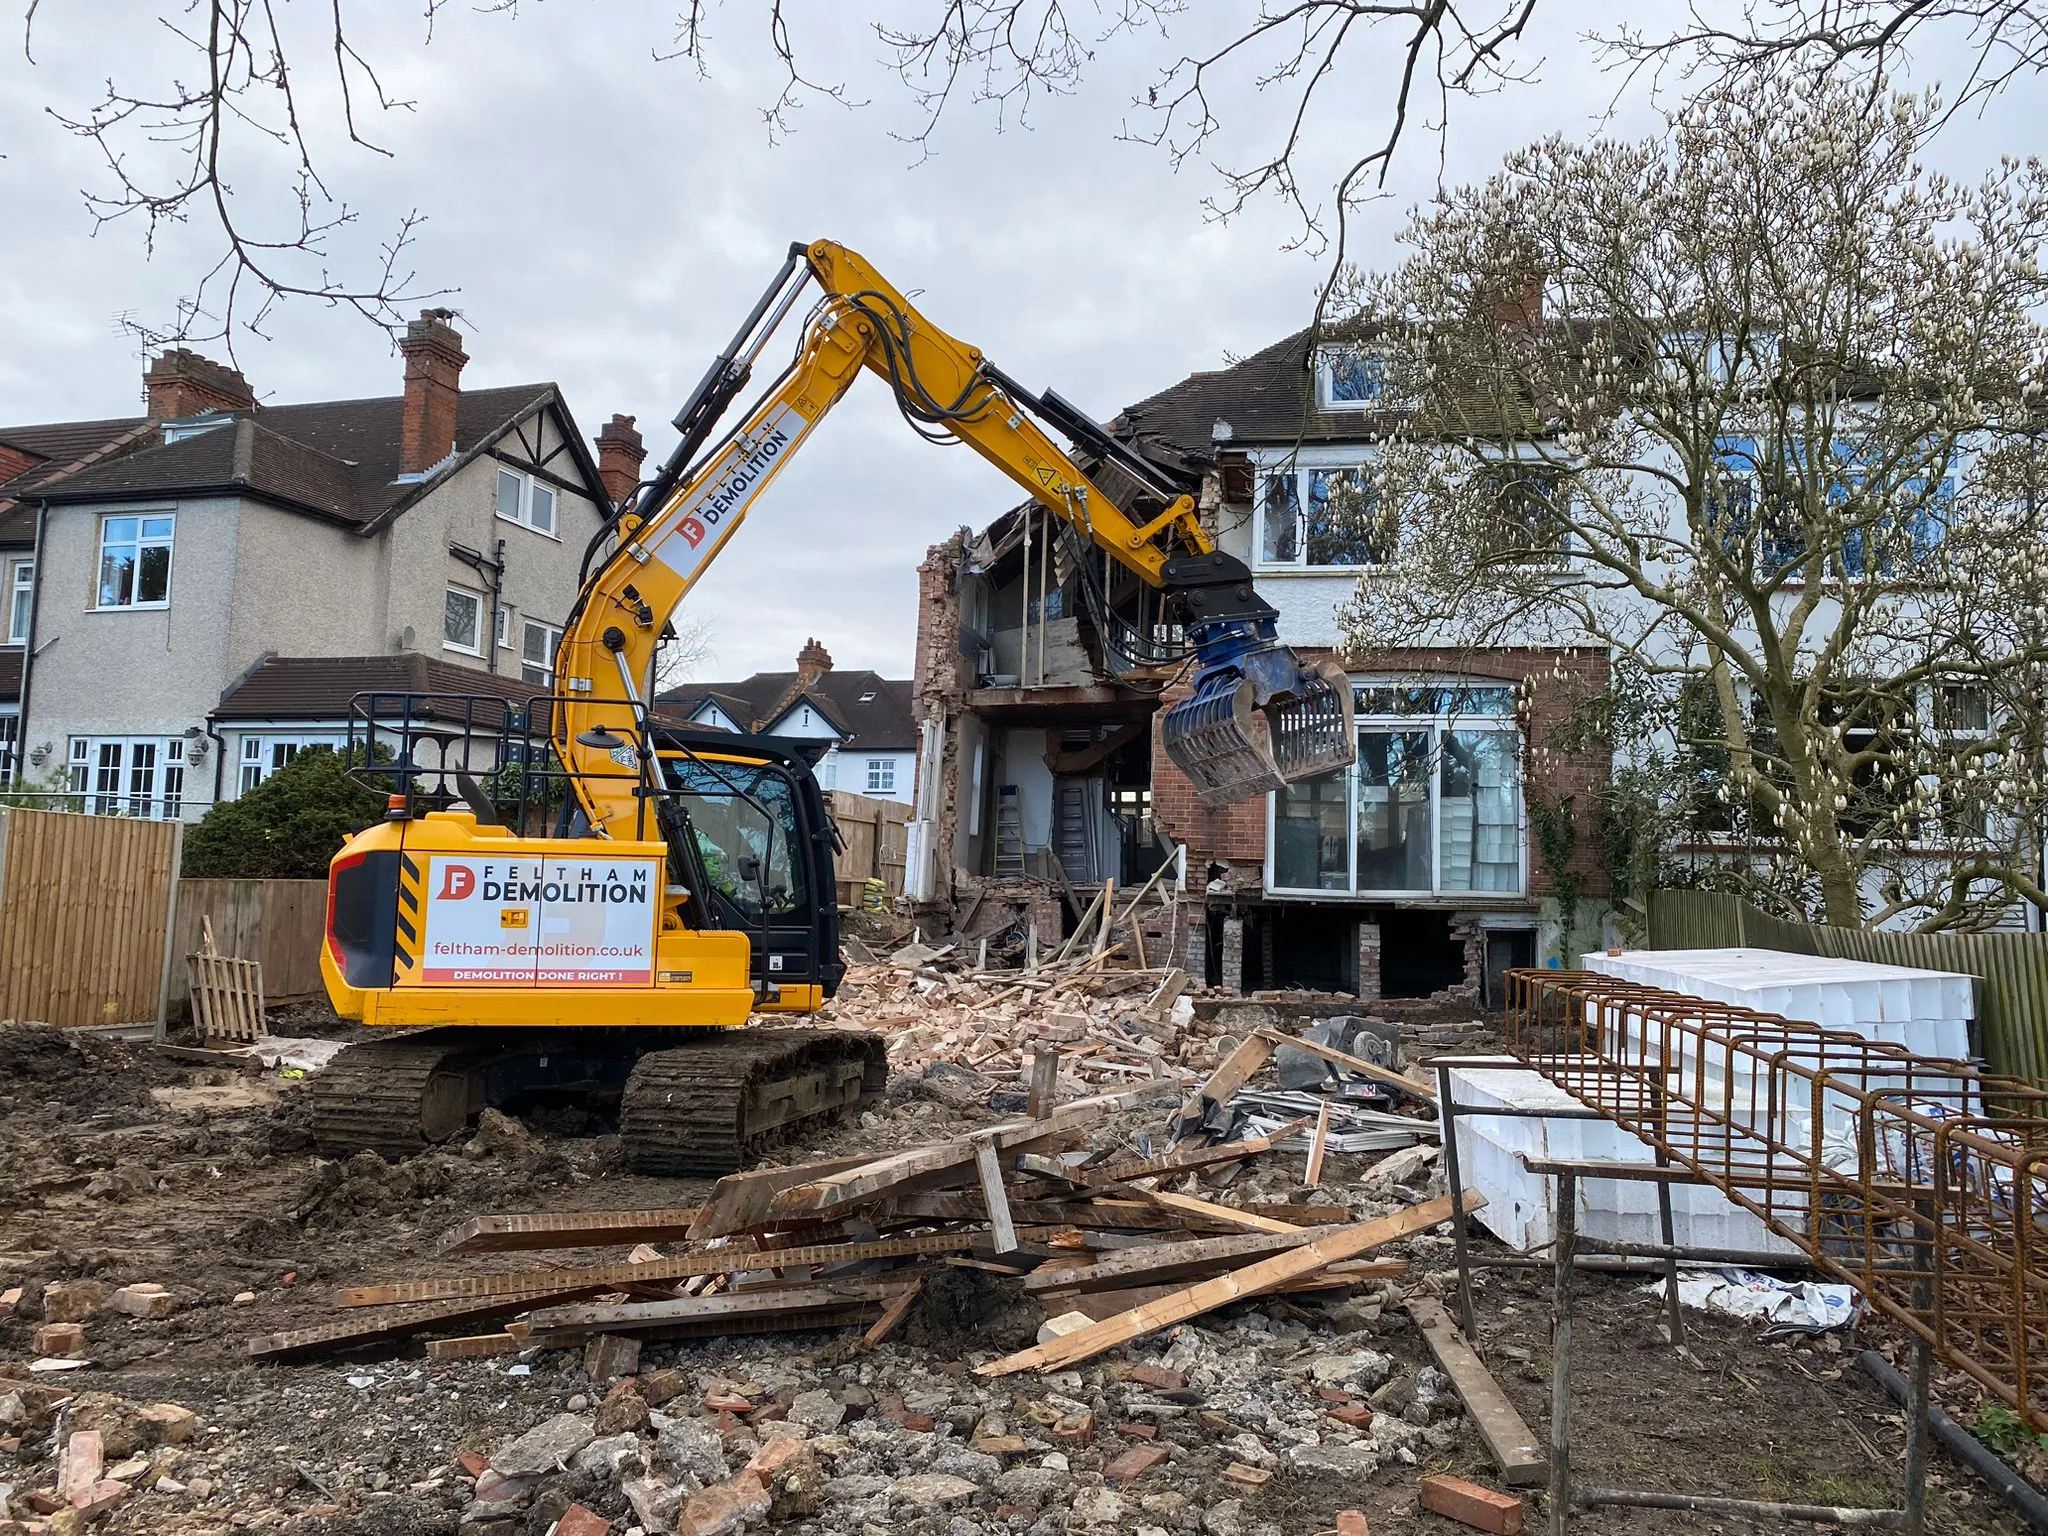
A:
{"x":1411,"y":873}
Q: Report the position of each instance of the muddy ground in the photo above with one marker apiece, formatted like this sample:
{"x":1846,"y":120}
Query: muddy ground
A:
{"x":126,"y":1165}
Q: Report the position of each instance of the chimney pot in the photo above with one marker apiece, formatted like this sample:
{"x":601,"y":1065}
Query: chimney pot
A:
{"x":620,"y":451}
{"x":433,"y":391}
{"x":181,"y":383}
{"x":812,"y":663}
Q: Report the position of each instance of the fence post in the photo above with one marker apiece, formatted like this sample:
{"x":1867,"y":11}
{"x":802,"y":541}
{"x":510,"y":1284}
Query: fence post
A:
{"x":163,"y":986}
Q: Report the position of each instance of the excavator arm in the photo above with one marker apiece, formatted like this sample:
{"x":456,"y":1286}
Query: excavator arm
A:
{"x":1257,"y":717}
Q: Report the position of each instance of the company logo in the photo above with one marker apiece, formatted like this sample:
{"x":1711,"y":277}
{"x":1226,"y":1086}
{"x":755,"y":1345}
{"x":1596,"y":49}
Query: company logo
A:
{"x":457,"y":881}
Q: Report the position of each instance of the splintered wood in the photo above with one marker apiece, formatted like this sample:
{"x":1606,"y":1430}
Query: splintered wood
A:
{"x":1129,"y":1226}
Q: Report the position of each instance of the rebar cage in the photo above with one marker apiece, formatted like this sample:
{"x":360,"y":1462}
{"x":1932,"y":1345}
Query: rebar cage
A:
{"x":1918,"y":1180}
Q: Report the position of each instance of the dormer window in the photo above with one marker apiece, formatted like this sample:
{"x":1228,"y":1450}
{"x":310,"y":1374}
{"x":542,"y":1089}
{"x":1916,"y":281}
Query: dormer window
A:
{"x":1351,"y":376}
{"x":867,"y":698}
{"x":195,"y":426}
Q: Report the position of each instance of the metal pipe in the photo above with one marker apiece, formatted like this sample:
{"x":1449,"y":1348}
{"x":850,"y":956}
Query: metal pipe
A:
{"x":1713,"y":1504}
{"x":2014,"y":1489}
{"x":1561,"y":1356}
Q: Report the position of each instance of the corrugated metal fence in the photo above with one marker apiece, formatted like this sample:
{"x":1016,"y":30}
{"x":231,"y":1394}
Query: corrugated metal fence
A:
{"x":2011,"y":968}
{"x":85,"y":916}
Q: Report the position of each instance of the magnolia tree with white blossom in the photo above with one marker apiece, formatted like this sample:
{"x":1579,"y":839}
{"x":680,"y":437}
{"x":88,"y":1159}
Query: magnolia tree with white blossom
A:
{"x":1772,"y":436}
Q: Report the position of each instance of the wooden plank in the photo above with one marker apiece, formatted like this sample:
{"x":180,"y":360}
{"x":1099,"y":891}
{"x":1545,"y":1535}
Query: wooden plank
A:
{"x":1237,"y":1068}
{"x":1521,"y":1457}
{"x":955,"y":1205}
{"x":727,"y":1306}
{"x":388,"y":1323}
{"x":1098,"y":1305}
{"x":1158,"y":1262}
{"x":1045,"y":1083}
{"x":476,"y":1346}
{"x":566,"y":1229}
{"x":1208,"y":1295}
{"x":1356,"y":1064}
{"x":988,"y":1165}
{"x":726,"y":1260}
{"x":1193,"y":1158}
{"x":1313,"y":1177}
{"x":1223,"y":1215}
{"x":740,"y":1200}
{"x":892,"y":1315}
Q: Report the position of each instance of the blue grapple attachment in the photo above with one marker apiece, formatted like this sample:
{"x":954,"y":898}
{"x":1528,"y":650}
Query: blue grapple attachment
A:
{"x":1259,"y":716}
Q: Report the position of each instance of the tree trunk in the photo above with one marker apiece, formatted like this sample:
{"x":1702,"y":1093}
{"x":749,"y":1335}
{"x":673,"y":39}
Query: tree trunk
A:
{"x":1841,"y":896}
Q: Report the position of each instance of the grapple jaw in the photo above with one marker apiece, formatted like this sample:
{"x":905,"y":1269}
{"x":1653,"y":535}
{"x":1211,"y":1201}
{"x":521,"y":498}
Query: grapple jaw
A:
{"x":1259,"y":717}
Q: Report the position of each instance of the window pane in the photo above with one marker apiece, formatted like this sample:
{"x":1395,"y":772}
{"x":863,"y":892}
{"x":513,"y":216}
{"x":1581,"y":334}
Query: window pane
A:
{"x":1345,"y":523}
{"x":459,"y":618}
{"x":119,"y":530}
{"x":1393,"y":811}
{"x":1961,"y":708}
{"x":1357,"y":377}
{"x":1280,"y":521}
{"x":157,"y":527}
{"x":508,"y":495}
{"x":543,"y":509}
{"x":529,"y":673}
{"x":1480,"y":801}
{"x":23,"y":595}
{"x":117,"y":577}
{"x":534,"y":645}
{"x":1310,"y":828}
{"x":154,"y":583}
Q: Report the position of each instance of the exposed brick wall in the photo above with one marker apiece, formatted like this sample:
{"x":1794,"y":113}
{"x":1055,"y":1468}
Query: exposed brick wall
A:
{"x":14,"y":461}
{"x":1368,"y":961}
{"x":937,"y":688}
{"x":620,"y":452}
{"x":1234,"y":836}
{"x":181,"y":383}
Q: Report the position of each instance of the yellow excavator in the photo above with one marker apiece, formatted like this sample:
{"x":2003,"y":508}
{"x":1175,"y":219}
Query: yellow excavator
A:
{"x":684,"y":885}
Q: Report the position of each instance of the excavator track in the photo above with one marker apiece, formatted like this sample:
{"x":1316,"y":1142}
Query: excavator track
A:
{"x":393,"y":1097}
{"x":704,"y":1104}
{"x":710,"y":1108}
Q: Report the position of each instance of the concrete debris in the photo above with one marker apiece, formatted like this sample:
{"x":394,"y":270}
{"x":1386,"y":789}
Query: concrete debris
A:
{"x":546,"y":1447}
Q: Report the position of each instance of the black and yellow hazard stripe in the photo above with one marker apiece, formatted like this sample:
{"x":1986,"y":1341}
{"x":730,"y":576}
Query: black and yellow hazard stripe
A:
{"x":412,"y":918}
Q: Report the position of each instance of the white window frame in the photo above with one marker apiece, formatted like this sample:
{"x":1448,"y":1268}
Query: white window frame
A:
{"x":263,"y":753}
{"x":881,"y":775}
{"x":530,"y":490}
{"x":167,"y":541}
{"x":21,"y":600}
{"x":1436,"y":723}
{"x":1326,"y":377}
{"x":10,"y":745}
{"x":142,"y":777}
{"x":552,"y":640}
{"x":1301,"y":465}
{"x":476,"y":647}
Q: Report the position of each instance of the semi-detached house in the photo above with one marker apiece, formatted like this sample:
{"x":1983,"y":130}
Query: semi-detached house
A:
{"x":196,"y":594}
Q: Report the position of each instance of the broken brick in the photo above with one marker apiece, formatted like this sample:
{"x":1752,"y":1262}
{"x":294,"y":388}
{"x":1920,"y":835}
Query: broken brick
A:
{"x":1138,"y":1431}
{"x":9,"y":1300}
{"x":1250,"y":1477}
{"x":473,"y":1464}
{"x":79,"y":1466}
{"x":1352,"y":1522}
{"x":578,"y":1521}
{"x":165,"y":1424}
{"x":1075,"y":1427}
{"x":1001,"y":1445}
{"x":145,"y":1301}
{"x":726,"y":1402}
{"x":788,"y":1469}
{"x":1332,"y":1395}
{"x":1469,"y":1504}
{"x":1134,"y":1463}
{"x":64,"y":1340}
{"x":1158,"y":1376}
{"x":723,"y":1507}
{"x":657,"y":1387}
{"x":1357,"y":1415}
{"x":72,"y":1301}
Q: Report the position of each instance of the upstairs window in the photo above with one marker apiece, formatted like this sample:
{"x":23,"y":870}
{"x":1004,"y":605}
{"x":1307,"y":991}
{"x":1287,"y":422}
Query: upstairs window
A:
{"x":881,"y":775}
{"x":462,"y":621}
{"x":135,"y":561}
{"x":1353,"y":377}
{"x":524,"y":500}
{"x":21,"y":597}
{"x":537,"y":644}
{"x":1324,"y":518}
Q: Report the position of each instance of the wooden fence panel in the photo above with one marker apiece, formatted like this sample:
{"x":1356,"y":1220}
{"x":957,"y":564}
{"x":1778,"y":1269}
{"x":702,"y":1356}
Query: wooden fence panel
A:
{"x":877,"y":838}
{"x":85,"y":903}
{"x":2011,"y":968}
{"x":278,"y":923}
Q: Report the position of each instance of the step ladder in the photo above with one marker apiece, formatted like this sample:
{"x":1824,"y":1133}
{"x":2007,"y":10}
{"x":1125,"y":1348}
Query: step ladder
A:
{"x":1009,"y":831}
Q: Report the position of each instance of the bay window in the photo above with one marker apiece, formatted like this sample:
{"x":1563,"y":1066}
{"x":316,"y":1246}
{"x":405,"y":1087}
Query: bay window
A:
{"x":1431,"y":806}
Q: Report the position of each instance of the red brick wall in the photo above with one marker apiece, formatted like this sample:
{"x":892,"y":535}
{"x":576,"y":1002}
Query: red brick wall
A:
{"x":433,"y":391}
{"x":1551,"y":683}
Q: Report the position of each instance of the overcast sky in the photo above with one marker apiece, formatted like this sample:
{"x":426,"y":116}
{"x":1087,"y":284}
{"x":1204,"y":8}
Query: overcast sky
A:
{"x":608,"y":218}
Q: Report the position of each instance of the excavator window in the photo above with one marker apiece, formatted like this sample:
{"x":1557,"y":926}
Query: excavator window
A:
{"x":748,"y":856}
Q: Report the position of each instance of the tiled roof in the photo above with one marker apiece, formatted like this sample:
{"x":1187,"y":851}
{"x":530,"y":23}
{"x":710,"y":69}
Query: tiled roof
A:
{"x":321,"y":687}
{"x":334,"y":458}
{"x":880,"y":723}
{"x":57,"y":446}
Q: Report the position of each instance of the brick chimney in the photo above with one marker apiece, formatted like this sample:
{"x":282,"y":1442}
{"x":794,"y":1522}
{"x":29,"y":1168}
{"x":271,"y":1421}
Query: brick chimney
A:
{"x":15,"y":461}
{"x":433,"y":389}
{"x":812,"y":663}
{"x":181,"y":383}
{"x":1519,"y":304}
{"x":620,"y":450}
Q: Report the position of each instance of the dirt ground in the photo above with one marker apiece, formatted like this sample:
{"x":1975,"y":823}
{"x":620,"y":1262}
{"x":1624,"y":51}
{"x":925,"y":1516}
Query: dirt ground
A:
{"x":126,"y":1165}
